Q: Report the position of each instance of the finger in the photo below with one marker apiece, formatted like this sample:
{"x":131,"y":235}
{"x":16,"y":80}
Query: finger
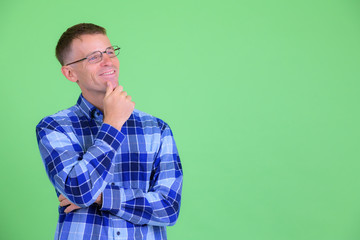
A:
{"x":64,"y":203}
{"x":71,"y":208}
{"x":61,"y":197}
{"x":123,"y":93}
{"x":118,"y":89}
{"x":109,"y":89}
{"x":128,"y":97}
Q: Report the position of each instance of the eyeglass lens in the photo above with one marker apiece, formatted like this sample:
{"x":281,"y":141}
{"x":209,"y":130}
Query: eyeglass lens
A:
{"x":97,"y":56}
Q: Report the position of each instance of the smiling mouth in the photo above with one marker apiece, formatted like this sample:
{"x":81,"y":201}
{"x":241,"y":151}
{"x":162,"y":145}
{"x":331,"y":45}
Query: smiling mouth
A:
{"x":108,"y":73}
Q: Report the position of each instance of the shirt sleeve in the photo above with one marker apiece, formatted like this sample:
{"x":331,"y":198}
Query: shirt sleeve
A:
{"x":79,"y":176}
{"x":159,"y":206}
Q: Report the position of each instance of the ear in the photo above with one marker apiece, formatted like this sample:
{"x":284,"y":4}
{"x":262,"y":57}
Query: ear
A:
{"x":69,"y":73}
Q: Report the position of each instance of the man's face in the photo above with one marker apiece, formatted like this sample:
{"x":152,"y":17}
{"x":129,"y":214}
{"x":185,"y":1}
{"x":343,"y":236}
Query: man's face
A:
{"x":92,"y":77}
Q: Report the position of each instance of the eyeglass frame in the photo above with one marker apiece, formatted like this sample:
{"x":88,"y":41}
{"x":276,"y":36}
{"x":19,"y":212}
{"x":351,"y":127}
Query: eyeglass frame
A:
{"x":115,"y":47}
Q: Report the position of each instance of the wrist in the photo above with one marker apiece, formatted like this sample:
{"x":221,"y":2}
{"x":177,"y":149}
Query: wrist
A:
{"x":116,"y":124}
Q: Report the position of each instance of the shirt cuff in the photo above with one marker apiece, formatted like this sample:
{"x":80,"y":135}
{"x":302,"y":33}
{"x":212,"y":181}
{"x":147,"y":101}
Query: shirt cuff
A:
{"x":111,"y":199}
{"x":110,"y":135}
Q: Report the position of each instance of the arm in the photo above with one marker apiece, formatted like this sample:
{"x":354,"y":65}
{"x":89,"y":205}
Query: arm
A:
{"x":79,"y":176}
{"x":82,"y":176}
{"x":160,"y":205}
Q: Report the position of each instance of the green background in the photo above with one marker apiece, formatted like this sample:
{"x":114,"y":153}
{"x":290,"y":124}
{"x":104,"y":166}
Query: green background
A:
{"x":262,"y":97}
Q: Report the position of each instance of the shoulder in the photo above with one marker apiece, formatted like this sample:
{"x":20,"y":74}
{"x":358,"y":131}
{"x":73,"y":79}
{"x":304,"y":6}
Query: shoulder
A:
{"x":60,"y":119}
{"x":147,"y":120}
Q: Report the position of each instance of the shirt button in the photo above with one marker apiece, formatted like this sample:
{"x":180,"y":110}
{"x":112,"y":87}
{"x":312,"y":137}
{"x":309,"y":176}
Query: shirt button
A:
{"x":118,"y":233}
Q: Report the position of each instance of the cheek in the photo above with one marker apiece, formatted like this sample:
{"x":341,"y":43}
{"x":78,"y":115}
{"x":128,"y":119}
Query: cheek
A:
{"x":116,"y":62}
{"x":91,"y":71}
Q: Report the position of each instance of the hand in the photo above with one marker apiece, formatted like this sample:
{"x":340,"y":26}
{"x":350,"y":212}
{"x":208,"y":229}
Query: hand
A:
{"x":99,"y":200}
{"x":65,"y":202}
{"x":117,"y":106}
{"x":71,"y":206}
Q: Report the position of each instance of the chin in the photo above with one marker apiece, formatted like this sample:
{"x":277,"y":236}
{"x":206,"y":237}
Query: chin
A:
{"x":115,"y":83}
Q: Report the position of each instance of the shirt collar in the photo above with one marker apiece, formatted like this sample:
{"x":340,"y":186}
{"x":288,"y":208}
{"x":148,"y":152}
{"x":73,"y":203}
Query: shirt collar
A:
{"x":88,"y":109}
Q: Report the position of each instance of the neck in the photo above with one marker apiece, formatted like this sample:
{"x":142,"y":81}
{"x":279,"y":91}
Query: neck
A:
{"x":97,"y":101}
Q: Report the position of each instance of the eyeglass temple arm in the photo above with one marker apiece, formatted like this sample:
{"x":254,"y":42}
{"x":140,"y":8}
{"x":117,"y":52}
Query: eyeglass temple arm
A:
{"x":76,"y":61}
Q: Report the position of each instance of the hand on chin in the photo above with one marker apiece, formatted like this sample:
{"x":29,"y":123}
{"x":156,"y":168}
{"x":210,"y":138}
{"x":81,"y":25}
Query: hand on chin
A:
{"x":113,"y":84}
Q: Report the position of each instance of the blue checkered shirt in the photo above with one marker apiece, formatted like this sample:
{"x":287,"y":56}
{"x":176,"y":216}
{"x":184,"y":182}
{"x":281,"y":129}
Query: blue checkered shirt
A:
{"x":137,"y":170}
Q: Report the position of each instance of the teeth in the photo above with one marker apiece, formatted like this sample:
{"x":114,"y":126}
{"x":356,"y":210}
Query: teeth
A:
{"x":108,"y":73}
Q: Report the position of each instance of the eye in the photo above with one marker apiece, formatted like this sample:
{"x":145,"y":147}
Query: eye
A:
{"x":113,"y":51}
{"x":94,"y":57}
{"x":110,"y":52}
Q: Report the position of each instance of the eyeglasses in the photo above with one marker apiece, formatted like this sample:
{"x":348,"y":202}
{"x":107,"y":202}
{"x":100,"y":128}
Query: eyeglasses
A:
{"x":97,"y":56}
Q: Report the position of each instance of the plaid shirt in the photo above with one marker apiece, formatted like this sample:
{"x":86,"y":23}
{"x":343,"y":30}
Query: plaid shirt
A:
{"x":137,"y":170}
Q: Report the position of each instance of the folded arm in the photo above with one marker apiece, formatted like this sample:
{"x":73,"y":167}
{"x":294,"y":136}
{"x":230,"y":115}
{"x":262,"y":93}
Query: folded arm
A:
{"x":79,"y":176}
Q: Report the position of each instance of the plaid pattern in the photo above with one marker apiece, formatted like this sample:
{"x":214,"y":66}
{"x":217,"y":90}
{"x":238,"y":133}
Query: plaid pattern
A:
{"x":137,"y":170}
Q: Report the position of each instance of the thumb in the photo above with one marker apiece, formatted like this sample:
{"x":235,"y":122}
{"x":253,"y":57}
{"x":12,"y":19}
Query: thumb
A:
{"x":109,"y":89}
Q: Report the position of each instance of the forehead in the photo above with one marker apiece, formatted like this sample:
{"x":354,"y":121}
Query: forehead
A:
{"x":89,"y":43}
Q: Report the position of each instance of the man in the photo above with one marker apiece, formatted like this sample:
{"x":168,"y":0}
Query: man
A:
{"x":115,"y":169}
